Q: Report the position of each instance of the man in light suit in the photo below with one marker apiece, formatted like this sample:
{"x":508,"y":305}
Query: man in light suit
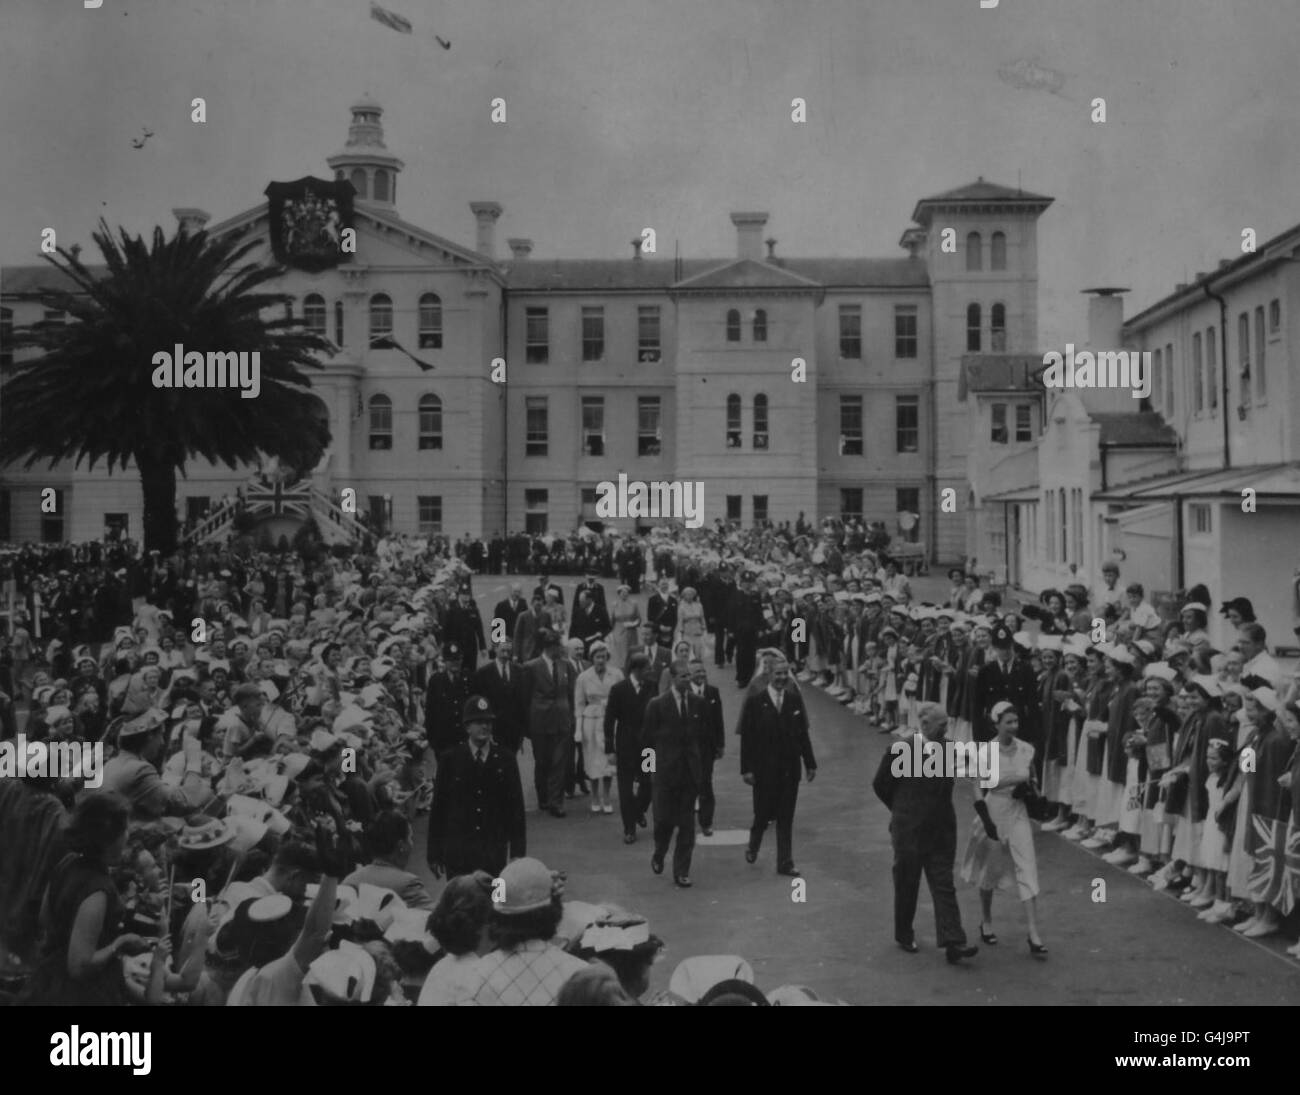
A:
{"x":923,"y":828}
{"x":773,"y":741}
{"x":548,"y":682}
{"x":714,"y":743}
{"x":674,"y":729}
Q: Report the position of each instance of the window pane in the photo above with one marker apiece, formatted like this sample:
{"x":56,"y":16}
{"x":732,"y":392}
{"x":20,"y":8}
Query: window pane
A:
{"x":998,"y":434}
{"x":1024,"y":427}
{"x":851,"y":425}
{"x":998,"y":251}
{"x":430,"y":422}
{"x":760,"y":421}
{"x":593,"y":425}
{"x":381,"y":318}
{"x":1211,"y":368}
{"x":733,"y":507}
{"x":536,"y":426}
{"x":851,"y":331}
{"x":649,"y":437}
{"x":429,"y":513}
{"x":593,"y":334}
{"x":760,"y":325}
{"x":536,"y":335}
{"x":647,"y":325}
{"x":733,"y":422}
{"x":973,"y":329}
{"x":381,"y":422}
{"x":430,"y":322}
{"x":905,"y":331}
{"x":1243,"y":356}
{"x":313,"y":314}
{"x":850,"y":502}
{"x":1198,"y":378}
{"x":907,"y":422}
{"x":998,"y":329}
{"x":733,"y":325}
{"x":1261,"y":379}
{"x":974,"y":252}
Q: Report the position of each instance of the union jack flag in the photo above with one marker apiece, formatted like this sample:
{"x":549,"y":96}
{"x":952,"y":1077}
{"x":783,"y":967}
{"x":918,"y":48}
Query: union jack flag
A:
{"x":1276,"y":877}
{"x":278,"y":498}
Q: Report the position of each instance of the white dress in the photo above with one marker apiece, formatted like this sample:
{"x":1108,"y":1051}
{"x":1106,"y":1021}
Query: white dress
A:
{"x":590,"y":695}
{"x":690,"y":626}
{"x":985,"y":862}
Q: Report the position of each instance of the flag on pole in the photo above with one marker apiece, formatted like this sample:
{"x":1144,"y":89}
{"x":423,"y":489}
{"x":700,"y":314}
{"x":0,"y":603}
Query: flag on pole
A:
{"x":388,"y":342}
{"x":390,"y":18}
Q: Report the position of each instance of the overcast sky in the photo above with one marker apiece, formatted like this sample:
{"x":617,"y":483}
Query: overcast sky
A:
{"x":672,"y":113}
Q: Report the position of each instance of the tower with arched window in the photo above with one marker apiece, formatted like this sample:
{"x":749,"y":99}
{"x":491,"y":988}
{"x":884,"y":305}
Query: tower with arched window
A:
{"x":364,"y":161}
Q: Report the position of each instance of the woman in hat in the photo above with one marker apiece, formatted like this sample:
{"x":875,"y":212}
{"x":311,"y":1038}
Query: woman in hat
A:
{"x":690,"y":622}
{"x":1112,"y":798}
{"x":143,"y":692}
{"x":1184,"y":783}
{"x":1158,"y":728}
{"x":1092,"y":692}
{"x":1056,"y":700}
{"x":80,"y":955}
{"x":1002,"y":830}
{"x":1195,"y":618}
{"x":590,"y":697}
{"x":623,"y":943}
{"x":625,"y":617}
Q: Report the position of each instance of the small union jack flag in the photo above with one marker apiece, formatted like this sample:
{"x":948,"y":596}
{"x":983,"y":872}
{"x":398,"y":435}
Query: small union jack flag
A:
{"x":278,"y":498}
{"x":1276,"y":877}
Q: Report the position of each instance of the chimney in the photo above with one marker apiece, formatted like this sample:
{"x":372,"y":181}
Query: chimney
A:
{"x":485,"y":214}
{"x":521,"y":249}
{"x":1224,"y":263}
{"x":913,"y":239}
{"x":771,"y":249}
{"x":636,"y":248}
{"x":1199,"y":275}
{"x":191,"y":220}
{"x":1180,"y":286}
{"x":1105,"y":317}
{"x":749,"y":235}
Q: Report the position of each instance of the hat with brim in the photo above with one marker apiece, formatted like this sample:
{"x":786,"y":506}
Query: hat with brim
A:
{"x":143,"y":724}
{"x":209,"y":834}
{"x":528,"y":886}
{"x":695,"y":976}
{"x":1207,"y":686}
{"x":1161,"y":671}
{"x":1267,"y":698}
{"x":346,"y":975}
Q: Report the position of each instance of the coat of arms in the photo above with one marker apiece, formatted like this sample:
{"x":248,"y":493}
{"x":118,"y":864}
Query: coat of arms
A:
{"x":307,"y":219}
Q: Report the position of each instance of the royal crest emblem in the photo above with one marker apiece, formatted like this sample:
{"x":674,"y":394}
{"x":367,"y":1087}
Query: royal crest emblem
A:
{"x":307,"y":220}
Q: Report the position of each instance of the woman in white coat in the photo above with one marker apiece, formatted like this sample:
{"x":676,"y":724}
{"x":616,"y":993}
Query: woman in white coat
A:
{"x":590,"y":696}
{"x":1002,"y":830}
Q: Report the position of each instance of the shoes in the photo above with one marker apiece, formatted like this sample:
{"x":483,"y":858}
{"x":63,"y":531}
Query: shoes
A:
{"x":1191,"y":895}
{"x":988,"y":937}
{"x":1075,"y":832}
{"x":790,"y":871}
{"x":1142,"y":867}
{"x":1294,"y":950}
{"x":1037,"y":949}
{"x":557,"y":812}
{"x":1245,"y":925}
{"x":751,"y":854}
{"x":657,"y":864}
{"x":1218,"y":912}
{"x":595,"y":807}
{"x":629,"y":838}
{"x":1261,"y":929}
{"x":1205,"y":902}
{"x":641,"y":822}
{"x":1095,"y":842}
{"x":910,"y":946}
{"x":1056,"y":826}
{"x":1162,"y":878}
{"x":608,"y":808}
{"x":706,"y":830}
{"x":682,"y":882}
{"x":956,"y":954}
{"x":1121,"y":857}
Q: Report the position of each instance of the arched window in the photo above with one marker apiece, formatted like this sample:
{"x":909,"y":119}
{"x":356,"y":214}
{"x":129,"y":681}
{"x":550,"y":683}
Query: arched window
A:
{"x":733,"y":325}
{"x":998,"y":251}
{"x":431,"y":322}
{"x":733,"y":421}
{"x":973,"y":329}
{"x":760,"y":421}
{"x":313,"y":313}
{"x":381,"y":185}
{"x":430,"y":422}
{"x":760,"y":325}
{"x":381,"y":422}
{"x":359,"y":182}
{"x":998,"y":329}
{"x":338,"y":324}
{"x":974,"y":252}
{"x":381,"y":321}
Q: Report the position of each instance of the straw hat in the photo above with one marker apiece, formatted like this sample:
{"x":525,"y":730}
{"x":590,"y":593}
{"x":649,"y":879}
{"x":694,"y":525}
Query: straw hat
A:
{"x":212,"y":833}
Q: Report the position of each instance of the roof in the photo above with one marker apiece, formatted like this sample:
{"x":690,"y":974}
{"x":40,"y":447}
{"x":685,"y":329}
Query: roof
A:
{"x":561,"y":275}
{"x":1264,"y":479}
{"x":748,"y":274}
{"x":29,"y":280}
{"x":1145,"y":429}
{"x":1016,"y":494}
{"x":1000,"y":373}
{"x":980,"y":192}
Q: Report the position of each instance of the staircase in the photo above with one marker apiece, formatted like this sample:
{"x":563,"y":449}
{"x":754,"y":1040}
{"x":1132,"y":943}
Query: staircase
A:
{"x":336,"y":526}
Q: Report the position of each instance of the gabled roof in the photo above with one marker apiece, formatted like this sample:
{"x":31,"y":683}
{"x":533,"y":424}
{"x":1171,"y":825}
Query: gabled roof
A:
{"x":1000,"y":373}
{"x":1264,"y":479}
{"x":748,"y":274}
{"x":980,"y":192}
{"x":575,"y":275}
{"x":1144,"y":429}
{"x":29,"y":280}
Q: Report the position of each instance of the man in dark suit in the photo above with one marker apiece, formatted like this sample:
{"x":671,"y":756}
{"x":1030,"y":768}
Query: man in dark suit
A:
{"x":718,"y":588}
{"x":714,"y":743}
{"x":476,"y":822}
{"x":773,"y":741}
{"x":923,"y":828}
{"x":464,"y":627}
{"x":746,"y":621}
{"x":511,"y":609}
{"x":624,"y":719}
{"x":548,"y":682}
{"x":501,"y":682}
{"x":593,"y":587}
{"x":528,"y":629}
{"x":674,"y":729}
{"x":1005,"y":676}
{"x":661,"y":609}
{"x":544,"y":585}
{"x":589,"y":621}
{"x":444,"y":701}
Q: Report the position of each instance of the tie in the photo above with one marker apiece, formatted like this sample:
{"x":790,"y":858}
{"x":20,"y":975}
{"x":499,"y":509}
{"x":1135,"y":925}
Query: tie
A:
{"x":480,"y":755}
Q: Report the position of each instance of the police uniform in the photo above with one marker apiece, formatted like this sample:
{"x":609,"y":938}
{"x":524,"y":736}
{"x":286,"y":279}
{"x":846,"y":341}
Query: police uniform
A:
{"x":443,"y":703}
{"x":476,"y":821}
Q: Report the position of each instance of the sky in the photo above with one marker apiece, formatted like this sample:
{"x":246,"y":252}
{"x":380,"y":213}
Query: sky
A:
{"x":623,"y":114}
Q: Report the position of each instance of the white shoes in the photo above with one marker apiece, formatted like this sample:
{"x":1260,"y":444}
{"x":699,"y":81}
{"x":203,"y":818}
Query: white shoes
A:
{"x":1056,"y":826}
{"x":1216,"y":913}
{"x":1245,"y":925}
{"x":1120,"y":857}
{"x":1142,"y":867}
{"x":608,"y":808}
{"x":1294,"y":950}
{"x":1097,"y":840}
{"x":1075,"y":832}
{"x":1260,"y":929}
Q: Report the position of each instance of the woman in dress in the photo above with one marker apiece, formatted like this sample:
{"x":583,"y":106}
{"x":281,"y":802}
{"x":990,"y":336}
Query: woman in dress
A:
{"x":590,"y":695}
{"x":555,"y":610}
{"x":1184,"y":783}
{"x":80,"y":954}
{"x":625,"y":618}
{"x":1002,"y":830}
{"x":690,"y":622}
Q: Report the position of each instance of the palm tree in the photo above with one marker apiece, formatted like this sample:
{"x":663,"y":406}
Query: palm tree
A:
{"x":91,"y":395}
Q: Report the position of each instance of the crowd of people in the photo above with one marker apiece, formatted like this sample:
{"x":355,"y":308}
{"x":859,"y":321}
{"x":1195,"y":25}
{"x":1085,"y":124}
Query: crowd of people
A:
{"x":278,"y":723}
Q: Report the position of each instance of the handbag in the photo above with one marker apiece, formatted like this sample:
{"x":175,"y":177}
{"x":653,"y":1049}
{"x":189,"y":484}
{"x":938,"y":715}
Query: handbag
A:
{"x":1038,"y":807}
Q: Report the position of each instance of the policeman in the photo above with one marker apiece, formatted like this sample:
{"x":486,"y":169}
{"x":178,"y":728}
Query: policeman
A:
{"x":444,"y":700}
{"x":476,"y":822}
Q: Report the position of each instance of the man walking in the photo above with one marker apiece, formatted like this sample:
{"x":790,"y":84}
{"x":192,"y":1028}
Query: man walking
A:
{"x":674,"y":729}
{"x":549,"y":684}
{"x":714,"y":743}
{"x":746,"y":621}
{"x":501,"y":683}
{"x":624,"y":720}
{"x":923,"y":828}
{"x":476,"y":822}
{"x":444,"y":701}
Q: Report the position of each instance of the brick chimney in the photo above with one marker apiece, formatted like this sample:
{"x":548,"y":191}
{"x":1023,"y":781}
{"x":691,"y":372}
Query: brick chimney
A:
{"x":191,"y":220}
{"x":485,"y":216}
{"x":520,"y":248}
{"x":1105,"y":317}
{"x":749,"y":235}
{"x":636,"y":247}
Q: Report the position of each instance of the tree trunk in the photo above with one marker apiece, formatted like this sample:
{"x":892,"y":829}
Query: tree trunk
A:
{"x":158,"y":485}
